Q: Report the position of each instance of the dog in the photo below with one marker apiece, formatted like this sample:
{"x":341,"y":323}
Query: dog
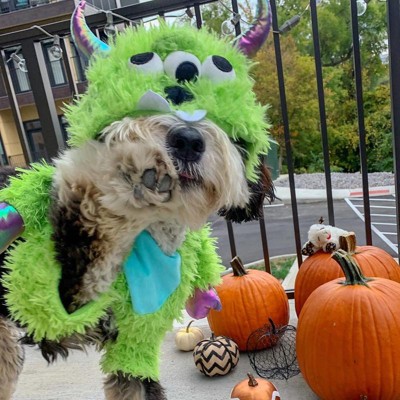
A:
{"x":144,"y":157}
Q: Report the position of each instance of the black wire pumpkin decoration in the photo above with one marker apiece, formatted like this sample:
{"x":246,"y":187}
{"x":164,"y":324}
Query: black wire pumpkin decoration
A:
{"x":279,"y":361}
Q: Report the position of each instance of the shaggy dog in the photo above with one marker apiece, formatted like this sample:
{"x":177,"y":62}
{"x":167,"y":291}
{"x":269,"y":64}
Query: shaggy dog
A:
{"x":158,"y":173}
{"x":167,"y":133}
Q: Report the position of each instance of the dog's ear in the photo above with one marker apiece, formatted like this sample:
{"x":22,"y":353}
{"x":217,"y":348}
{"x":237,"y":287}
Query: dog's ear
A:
{"x":260,"y":190}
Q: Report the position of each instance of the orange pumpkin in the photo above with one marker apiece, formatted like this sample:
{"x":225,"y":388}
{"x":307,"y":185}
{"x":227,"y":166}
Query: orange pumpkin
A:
{"x":255,"y":389}
{"x":347,"y":342}
{"x":249,"y":299}
{"x":321,"y":268}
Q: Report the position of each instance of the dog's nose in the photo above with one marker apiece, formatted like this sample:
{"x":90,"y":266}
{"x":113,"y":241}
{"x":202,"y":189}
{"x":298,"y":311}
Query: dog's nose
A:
{"x":186,"y":144}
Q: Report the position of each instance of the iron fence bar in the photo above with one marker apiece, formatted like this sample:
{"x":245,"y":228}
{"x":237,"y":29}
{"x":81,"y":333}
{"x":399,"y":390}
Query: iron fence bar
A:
{"x":322,"y":111}
{"x":285,"y":120}
{"x":12,"y":98}
{"x":264,"y":241}
{"x":235,"y":9}
{"x":361,"y":125}
{"x":393,"y":17}
{"x":44,"y":99}
{"x":231,"y":237}
{"x":290,"y":293}
{"x":229,"y":224}
{"x":197,"y":13}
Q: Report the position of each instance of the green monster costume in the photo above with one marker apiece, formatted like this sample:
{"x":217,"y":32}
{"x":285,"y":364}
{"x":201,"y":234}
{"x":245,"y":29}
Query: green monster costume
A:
{"x":113,"y":91}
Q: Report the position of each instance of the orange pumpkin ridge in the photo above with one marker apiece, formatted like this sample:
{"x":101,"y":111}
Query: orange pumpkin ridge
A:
{"x":347,"y":336}
{"x":249,"y":299}
{"x":320,"y":268}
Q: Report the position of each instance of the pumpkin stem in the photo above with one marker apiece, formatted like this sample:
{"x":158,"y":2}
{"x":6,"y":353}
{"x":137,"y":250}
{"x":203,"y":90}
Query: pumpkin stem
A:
{"x":190,"y":323}
{"x":350,"y":268}
{"x":252,"y":380}
{"x":238,"y":267}
{"x":273,"y":326}
{"x":348,"y":242}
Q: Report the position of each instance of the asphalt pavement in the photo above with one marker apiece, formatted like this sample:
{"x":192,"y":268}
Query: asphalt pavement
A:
{"x":280,"y":232}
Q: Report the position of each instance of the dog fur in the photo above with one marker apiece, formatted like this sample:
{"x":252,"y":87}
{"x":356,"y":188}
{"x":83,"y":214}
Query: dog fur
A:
{"x":109,"y":190}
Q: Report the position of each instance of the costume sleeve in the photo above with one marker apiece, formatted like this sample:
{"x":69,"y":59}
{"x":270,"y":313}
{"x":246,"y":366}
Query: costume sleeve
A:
{"x":209,"y":265}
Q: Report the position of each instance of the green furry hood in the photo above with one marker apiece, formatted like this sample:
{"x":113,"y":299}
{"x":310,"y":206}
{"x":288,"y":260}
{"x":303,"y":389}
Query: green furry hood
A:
{"x":115,"y":88}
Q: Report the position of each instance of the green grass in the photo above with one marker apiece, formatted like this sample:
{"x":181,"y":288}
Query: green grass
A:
{"x":279,"y":266}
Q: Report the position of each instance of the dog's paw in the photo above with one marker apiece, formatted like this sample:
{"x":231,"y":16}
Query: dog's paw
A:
{"x":151,"y":176}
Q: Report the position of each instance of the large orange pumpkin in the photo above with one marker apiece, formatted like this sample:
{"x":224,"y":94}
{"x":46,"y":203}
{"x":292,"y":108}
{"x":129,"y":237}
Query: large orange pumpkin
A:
{"x":255,"y":389}
{"x":321,"y":268}
{"x":348,"y":344}
{"x":249,"y":299}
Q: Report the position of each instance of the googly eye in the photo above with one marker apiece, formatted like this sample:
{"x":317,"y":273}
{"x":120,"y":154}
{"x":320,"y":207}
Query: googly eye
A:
{"x":148,"y":63}
{"x":182,"y":66}
{"x":218,"y":69}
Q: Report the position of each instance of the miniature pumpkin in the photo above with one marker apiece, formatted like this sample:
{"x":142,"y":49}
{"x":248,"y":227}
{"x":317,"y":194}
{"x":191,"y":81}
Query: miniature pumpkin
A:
{"x":348,"y":336}
{"x":321,"y":268}
{"x":216,"y":355}
{"x":248,"y":298}
{"x":255,"y":389}
{"x":187,"y":338}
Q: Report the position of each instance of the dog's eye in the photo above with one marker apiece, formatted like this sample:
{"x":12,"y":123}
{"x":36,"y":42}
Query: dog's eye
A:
{"x":182,"y":66}
{"x":148,"y":63}
{"x":218,"y":69}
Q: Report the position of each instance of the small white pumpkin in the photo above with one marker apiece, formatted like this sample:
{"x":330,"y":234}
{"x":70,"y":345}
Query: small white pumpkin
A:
{"x":187,"y":338}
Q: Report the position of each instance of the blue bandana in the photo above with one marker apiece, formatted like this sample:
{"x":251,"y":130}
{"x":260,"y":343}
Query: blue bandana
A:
{"x":152,"y":275}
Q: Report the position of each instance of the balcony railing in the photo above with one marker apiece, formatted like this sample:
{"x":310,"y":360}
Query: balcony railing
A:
{"x":7,"y":6}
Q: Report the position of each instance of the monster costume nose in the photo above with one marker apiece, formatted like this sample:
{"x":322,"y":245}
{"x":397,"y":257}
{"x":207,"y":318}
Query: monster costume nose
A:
{"x":178,"y":94}
{"x":186,"y":144}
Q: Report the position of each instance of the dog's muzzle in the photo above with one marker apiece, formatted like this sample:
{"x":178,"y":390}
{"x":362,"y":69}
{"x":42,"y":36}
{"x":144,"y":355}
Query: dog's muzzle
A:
{"x":186,"y":144}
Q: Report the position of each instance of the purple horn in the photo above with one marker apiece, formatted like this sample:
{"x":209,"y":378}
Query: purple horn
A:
{"x":85,"y":41}
{"x":251,"y":41}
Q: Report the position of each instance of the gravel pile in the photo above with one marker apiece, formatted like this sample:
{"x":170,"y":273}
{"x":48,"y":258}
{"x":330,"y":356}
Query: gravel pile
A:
{"x":339,"y":180}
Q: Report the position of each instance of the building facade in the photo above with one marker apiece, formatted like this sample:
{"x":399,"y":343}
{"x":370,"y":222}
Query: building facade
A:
{"x":22,"y":138}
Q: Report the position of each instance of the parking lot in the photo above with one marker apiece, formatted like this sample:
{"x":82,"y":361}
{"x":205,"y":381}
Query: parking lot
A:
{"x":383,"y":217}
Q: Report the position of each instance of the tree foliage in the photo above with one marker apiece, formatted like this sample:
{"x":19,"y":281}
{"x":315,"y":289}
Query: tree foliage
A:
{"x":335,"y":36}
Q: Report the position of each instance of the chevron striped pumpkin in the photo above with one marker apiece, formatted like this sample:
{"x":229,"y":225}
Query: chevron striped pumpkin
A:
{"x":216,"y":355}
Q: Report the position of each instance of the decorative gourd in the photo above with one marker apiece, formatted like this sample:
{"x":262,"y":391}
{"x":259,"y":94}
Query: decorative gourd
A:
{"x":348,"y":336}
{"x":216,"y":355}
{"x":249,"y":298}
{"x":187,"y":338}
{"x":321,"y":268}
{"x":255,"y":389}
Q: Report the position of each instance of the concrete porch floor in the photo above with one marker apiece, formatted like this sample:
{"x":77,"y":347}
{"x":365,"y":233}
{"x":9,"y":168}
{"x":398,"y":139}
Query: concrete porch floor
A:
{"x":79,"y":378}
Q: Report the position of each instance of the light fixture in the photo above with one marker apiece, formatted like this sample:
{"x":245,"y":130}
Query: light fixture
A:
{"x":56,"y":50}
{"x":361,"y":7}
{"x":289,"y":24}
{"x":110,"y":29}
{"x":228,"y":26}
{"x":189,"y":13}
{"x":20,"y":61}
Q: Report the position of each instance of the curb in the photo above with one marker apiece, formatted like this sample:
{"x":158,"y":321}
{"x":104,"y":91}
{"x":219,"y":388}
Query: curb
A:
{"x":314,"y":195}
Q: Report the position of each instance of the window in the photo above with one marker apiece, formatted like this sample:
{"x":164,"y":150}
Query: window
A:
{"x":3,"y":155}
{"x":33,"y":130}
{"x":80,"y":63}
{"x":19,"y":78}
{"x":55,"y":67}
